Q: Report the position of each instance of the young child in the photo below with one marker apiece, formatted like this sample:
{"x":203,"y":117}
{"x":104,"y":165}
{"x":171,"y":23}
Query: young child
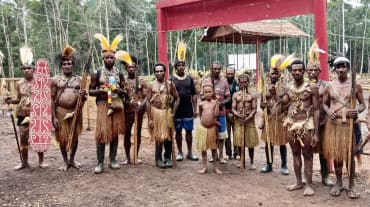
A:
{"x":207,"y":130}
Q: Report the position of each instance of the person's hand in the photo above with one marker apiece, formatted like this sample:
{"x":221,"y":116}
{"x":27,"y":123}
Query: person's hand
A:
{"x":272,"y":89}
{"x":8,"y":100}
{"x":352,"y":113}
{"x":151,"y":123}
{"x":56,"y":124}
{"x":332,"y":115}
{"x":315,"y":141}
{"x":263,"y":104}
{"x":195,"y":114}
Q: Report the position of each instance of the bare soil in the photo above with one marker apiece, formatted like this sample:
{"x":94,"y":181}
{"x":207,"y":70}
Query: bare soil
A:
{"x":146,"y":185}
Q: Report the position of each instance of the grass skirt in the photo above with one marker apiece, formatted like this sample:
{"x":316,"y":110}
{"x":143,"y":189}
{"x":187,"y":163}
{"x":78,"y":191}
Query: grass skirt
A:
{"x":62,"y":134}
{"x":336,"y":140}
{"x":108,"y":127}
{"x":206,"y":138}
{"x":163,"y":125}
{"x":250,"y":133}
{"x":278,"y":133}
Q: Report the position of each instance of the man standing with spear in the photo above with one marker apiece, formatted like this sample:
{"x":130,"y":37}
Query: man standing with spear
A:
{"x":339,"y":100}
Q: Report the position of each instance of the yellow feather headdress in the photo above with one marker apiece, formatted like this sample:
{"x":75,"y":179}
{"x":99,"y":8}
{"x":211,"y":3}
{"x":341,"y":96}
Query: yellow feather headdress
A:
{"x":313,"y":55}
{"x":280,"y":62}
{"x":124,"y":56}
{"x":68,"y":52}
{"x":181,"y":51}
{"x":26,"y":55}
{"x":105,"y":44}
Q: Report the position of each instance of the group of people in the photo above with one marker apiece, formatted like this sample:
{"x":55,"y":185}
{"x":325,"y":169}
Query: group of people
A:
{"x":310,"y":114}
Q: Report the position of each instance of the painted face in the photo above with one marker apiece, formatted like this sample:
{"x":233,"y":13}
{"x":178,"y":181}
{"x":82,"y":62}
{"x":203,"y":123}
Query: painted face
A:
{"x":208,"y":92}
{"x":27,"y":72}
{"x":109,"y":60}
{"x":243,"y":82}
{"x":297,"y":72}
{"x":159,"y":72}
{"x":313,"y":73}
{"x":180,"y":69}
{"x":67,"y":66}
{"x":216,"y":70}
{"x":230,"y":75}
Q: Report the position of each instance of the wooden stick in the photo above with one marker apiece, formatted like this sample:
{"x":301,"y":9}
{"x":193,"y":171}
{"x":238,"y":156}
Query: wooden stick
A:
{"x":135,"y":139}
{"x":242,"y":153}
{"x":264,"y":91}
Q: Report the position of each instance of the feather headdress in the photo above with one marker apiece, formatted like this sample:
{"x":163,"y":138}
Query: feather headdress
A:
{"x":181,"y":51}
{"x":105,"y":44}
{"x":313,"y":55}
{"x":26,"y":56}
{"x":280,"y":62}
{"x":124,"y":56}
{"x":68,"y":52}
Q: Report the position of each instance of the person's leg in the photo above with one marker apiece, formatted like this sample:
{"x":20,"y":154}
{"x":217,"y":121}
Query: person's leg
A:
{"x":129,"y":119}
{"x":72,"y":162}
{"x":324,"y":171}
{"x":158,"y":155}
{"x":100,"y":151}
{"x":139,"y":128}
{"x":189,"y":142}
{"x":215,"y":168}
{"x":24,"y":135}
{"x":167,"y":153}
{"x":283,"y":154}
{"x":251,"y":157}
{"x":204,"y":160}
{"x":268,"y":167}
{"x":308,"y":165}
{"x":297,"y":163}
{"x":113,"y":153}
{"x":228,"y":139}
{"x":65,"y":165}
{"x":41,"y":160}
{"x":338,"y":187}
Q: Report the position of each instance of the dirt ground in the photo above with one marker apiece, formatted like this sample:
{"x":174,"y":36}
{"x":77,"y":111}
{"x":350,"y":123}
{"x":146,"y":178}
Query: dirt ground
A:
{"x":146,"y":185}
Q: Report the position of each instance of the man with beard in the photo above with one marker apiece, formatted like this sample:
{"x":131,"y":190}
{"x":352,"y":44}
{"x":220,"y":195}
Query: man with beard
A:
{"x":303,"y":124}
{"x":64,"y":94}
{"x":337,"y":138}
{"x":233,"y":87}
{"x":187,"y":109}
{"x":162,"y":104}
{"x":222,"y":93}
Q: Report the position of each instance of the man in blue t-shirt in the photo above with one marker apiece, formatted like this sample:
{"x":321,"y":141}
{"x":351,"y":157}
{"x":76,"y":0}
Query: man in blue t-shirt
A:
{"x":186,"y":112}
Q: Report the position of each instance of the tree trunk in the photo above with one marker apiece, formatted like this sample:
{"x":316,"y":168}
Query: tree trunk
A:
{"x":9,"y":50}
{"x":363,"y":41}
{"x":51,"y":44}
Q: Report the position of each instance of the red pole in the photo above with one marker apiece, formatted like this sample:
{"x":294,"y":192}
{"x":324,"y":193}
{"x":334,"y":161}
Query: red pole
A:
{"x":162,"y":39}
{"x":321,"y":34}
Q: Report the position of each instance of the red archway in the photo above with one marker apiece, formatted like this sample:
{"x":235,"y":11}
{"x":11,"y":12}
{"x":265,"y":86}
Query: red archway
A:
{"x":190,"y":14}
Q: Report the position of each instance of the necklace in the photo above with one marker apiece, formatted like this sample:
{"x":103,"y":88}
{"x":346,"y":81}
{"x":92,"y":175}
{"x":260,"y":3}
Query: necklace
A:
{"x":180,"y":77}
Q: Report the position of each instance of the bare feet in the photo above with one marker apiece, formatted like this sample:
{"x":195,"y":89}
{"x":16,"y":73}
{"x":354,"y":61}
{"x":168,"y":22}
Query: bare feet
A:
{"x":43,"y":165}
{"x":353,"y":194}
{"x":336,"y":190}
{"x":294,"y":187}
{"x":21,"y":166}
{"x":223,"y":161}
{"x":308,"y":191}
{"x":203,"y":171}
{"x":126,"y":162}
{"x":64,"y":167}
{"x":218,"y":171}
{"x":75,"y":164}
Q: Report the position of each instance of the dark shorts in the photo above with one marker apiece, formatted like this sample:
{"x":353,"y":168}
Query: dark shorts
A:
{"x":184,"y":123}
